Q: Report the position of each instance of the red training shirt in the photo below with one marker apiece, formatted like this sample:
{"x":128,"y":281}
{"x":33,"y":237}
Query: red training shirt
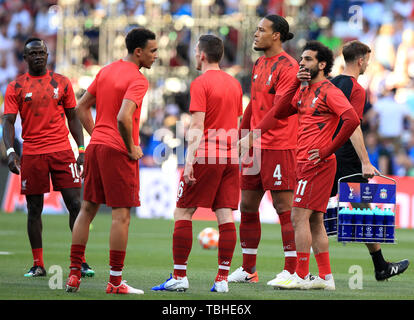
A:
{"x":41,"y":102}
{"x":270,"y":77}
{"x":319,"y":107}
{"x":219,"y":95}
{"x":115,"y":82}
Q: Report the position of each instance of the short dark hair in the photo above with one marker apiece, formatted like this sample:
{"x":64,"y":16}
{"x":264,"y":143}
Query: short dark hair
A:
{"x":279,"y":24}
{"x":212,"y":46}
{"x":138,"y":38}
{"x":323,"y":54}
{"x":33,"y":39}
{"x":355,"y":49}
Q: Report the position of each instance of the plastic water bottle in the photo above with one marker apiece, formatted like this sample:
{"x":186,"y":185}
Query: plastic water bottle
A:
{"x":389,"y":222}
{"x":330,"y":218}
{"x":347,"y":228}
{"x":368,"y":226}
{"x":340,"y":223}
{"x":378,"y":225}
{"x":334,"y":221}
{"x":359,"y":224}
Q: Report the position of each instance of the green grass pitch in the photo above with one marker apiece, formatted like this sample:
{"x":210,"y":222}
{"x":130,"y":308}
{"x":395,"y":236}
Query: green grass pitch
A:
{"x":149,"y":262}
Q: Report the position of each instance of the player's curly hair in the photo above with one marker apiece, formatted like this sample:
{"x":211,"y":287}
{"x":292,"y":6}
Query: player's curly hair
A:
{"x":138,"y":38}
{"x":323,"y":54}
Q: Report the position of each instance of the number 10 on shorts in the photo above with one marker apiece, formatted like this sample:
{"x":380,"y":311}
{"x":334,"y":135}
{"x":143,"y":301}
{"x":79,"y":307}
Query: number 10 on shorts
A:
{"x":75,"y":174}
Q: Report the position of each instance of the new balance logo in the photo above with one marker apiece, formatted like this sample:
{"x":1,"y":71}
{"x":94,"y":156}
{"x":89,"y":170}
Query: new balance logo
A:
{"x":394,"y":270}
{"x":298,"y":199}
{"x":55,"y":93}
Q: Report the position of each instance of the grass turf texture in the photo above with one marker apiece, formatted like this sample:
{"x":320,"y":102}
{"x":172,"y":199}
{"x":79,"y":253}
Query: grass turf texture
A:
{"x":149,"y":262}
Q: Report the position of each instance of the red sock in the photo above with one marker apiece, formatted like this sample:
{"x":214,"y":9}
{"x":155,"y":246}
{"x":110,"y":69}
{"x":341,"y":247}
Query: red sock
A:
{"x":38,"y":257}
{"x":182,"y":243}
{"x":77,"y":251}
{"x":288,"y":240}
{"x":324,"y":266}
{"x":250,"y":233}
{"x":302,"y":268}
{"x":226,"y":245}
{"x":116,"y":261}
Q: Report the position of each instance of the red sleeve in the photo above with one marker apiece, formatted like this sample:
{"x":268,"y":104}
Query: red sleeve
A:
{"x":69,"y":100}
{"x":245,"y":123}
{"x":10,"y":101}
{"x":92,"y":87}
{"x":137,"y":90}
{"x":282,"y":108}
{"x":336,"y":100}
{"x":350,"y":123}
{"x":286,"y":79}
{"x":241,"y":103}
{"x":198,"y":97}
{"x":357,"y":100}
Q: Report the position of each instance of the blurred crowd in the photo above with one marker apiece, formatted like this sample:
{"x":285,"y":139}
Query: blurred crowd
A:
{"x":386,"y":26}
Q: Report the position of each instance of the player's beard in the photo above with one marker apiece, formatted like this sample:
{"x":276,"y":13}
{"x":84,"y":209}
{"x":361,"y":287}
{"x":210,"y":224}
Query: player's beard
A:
{"x":314,"y":72}
{"x":259,"y":48}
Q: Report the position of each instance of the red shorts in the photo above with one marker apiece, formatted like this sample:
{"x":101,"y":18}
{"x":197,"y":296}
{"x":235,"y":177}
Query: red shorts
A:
{"x":38,"y":169}
{"x":217,"y":187}
{"x":277,"y":170}
{"x":314,"y":184}
{"x":110,"y":177}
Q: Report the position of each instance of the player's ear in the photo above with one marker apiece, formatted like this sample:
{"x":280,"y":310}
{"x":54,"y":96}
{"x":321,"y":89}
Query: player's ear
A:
{"x":322,"y":65}
{"x":203,"y":56}
{"x":138,"y":52}
{"x":276,"y":36}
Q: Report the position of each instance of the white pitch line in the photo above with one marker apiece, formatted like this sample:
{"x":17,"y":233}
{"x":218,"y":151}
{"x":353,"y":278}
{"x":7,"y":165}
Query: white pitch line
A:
{"x":5,"y":253}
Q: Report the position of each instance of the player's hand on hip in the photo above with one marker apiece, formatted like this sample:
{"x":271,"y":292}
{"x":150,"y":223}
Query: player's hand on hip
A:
{"x":136,"y":153}
{"x":13,"y":161}
{"x":314,"y":155}
{"x":188,"y":174}
{"x":369,"y":171}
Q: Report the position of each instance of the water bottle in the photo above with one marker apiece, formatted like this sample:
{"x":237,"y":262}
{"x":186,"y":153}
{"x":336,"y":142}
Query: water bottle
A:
{"x":340,"y":223}
{"x":378,"y":225}
{"x":389,"y":222}
{"x":368,"y":226}
{"x":359,"y":224}
{"x":334,"y":221}
{"x":347,"y":228}
{"x":330,"y":217}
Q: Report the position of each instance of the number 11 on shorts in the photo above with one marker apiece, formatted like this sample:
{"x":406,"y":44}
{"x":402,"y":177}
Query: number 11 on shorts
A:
{"x":300,"y":191}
